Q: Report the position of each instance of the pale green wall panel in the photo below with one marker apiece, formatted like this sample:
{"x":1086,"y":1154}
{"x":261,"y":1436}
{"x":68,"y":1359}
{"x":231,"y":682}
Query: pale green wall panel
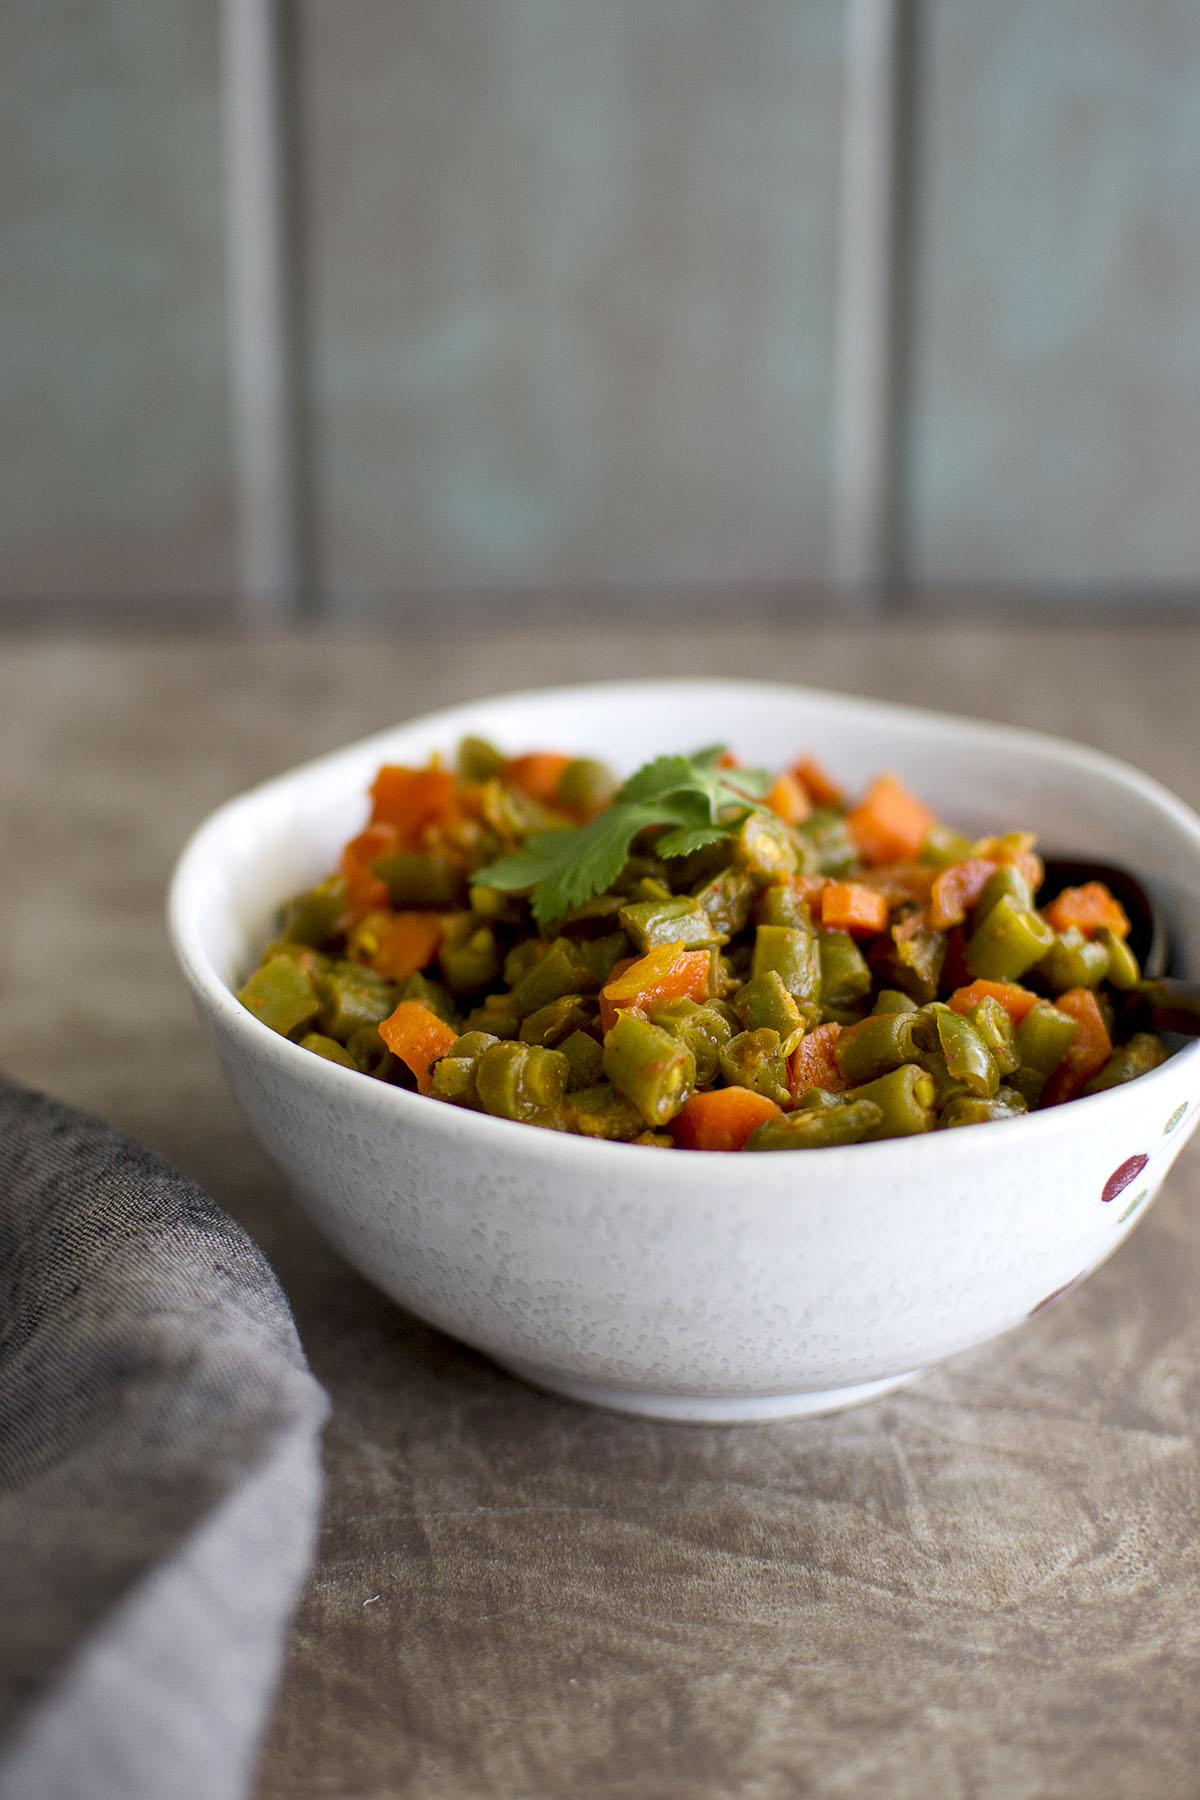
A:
{"x":113,"y":402}
{"x":1054,"y":425}
{"x":571,"y":289}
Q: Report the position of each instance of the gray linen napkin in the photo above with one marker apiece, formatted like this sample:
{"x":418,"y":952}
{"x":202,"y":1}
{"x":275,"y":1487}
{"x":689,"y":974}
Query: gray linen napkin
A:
{"x":159,"y":1471}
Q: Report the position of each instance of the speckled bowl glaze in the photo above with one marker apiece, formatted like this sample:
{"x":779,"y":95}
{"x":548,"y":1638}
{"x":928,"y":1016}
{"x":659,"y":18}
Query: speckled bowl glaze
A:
{"x":676,"y":1284}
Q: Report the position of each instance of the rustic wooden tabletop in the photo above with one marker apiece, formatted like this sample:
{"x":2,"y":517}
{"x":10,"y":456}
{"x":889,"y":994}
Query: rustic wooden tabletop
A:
{"x":986,"y":1585}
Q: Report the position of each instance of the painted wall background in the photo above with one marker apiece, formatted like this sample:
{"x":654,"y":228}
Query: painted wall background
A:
{"x":570,"y":279}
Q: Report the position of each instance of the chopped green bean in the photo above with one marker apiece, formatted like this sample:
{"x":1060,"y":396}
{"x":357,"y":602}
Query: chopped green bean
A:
{"x":551,"y":1023}
{"x":818,"y":1128}
{"x":312,"y":917}
{"x":419,"y":880}
{"x":1007,"y":941}
{"x":1073,"y":961}
{"x":764,"y":1001}
{"x":649,"y":1065}
{"x":327,"y":1047}
{"x":765,"y":848}
{"x":603,"y":1111}
{"x":845,"y":977}
{"x":677,"y":919}
{"x":881,"y":1042}
{"x":905,"y":1097}
{"x":1143,"y":1052}
{"x":892,"y":1000}
{"x":1044,"y":1036}
{"x":974,"y":1109}
{"x":562,"y":970}
{"x":521,"y":1081}
{"x":1006,"y":882}
{"x":998,"y":1032}
{"x":968,"y":1059}
{"x":797,"y":955}
{"x":352,"y":996}
{"x":756,"y":1060}
{"x":704,"y":1027}
{"x":369,"y":1051}
{"x":826,"y":846}
{"x":469,"y":956}
{"x":783,"y":904}
{"x":281,"y":995}
{"x":727,"y":897}
{"x":1122,"y":972}
{"x":585,"y":1060}
{"x":585,"y":785}
{"x":915,"y":960}
{"x":478,"y":760}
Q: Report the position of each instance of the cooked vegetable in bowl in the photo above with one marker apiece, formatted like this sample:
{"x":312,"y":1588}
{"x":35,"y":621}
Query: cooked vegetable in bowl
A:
{"x":688,"y":1286}
{"x":707,"y":956}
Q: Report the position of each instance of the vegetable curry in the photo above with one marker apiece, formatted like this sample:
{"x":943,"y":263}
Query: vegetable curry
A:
{"x":705,"y":957}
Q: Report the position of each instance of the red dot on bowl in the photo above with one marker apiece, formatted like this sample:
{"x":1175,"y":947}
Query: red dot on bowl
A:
{"x":1120,"y":1178}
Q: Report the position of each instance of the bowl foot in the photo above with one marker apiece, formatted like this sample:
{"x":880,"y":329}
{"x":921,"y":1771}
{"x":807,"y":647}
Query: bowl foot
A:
{"x":708,"y":1409}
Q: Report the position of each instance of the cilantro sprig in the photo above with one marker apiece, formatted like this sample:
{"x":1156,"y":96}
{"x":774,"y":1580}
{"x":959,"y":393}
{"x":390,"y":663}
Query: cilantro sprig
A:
{"x":691,"y":798}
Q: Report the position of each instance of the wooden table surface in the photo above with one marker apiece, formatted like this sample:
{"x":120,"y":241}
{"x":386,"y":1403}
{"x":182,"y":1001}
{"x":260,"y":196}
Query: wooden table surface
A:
{"x":986,"y":1585}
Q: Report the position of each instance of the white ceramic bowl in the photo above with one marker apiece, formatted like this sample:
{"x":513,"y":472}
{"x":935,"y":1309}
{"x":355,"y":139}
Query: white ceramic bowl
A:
{"x":689,"y":1285}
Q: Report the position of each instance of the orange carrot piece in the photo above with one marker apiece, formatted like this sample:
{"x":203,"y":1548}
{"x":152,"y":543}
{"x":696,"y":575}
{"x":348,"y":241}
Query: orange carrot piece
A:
{"x":821,"y":788}
{"x":956,"y":888}
{"x":1088,"y":908}
{"x":1015,"y":1000}
{"x":889,"y":823}
{"x":849,"y":906}
{"x":538,"y":774}
{"x":411,"y":799}
{"x":418,"y":1037}
{"x":790,"y":799}
{"x":397,"y":944}
{"x":721,"y":1118}
{"x":1089,"y":1050}
{"x":365,"y":892}
{"x":668,"y":972}
{"x":812,"y":1062}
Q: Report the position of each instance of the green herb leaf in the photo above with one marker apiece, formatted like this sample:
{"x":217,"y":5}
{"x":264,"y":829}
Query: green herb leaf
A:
{"x":686,"y":840}
{"x":698,"y":801}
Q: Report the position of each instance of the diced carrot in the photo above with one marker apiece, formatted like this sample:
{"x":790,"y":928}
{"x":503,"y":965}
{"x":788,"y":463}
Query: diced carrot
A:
{"x":668,"y":972}
{"x":956,"y":888}
{"x":849,"y":906}
{"x":1015,"y":1000}
{"x":821,"y":788}
{"x":1090,"y":1048}
{"x":365,"y":892}
{"x":411,"y":799}
{"x":1088,"y":908}
{"x":789,"y":798}
{"x":418,"y":1037}
{"x":889,"y":823}
{"x":397,"y":944}
{"x":812,"y":1062}
{"x":538,"y":774}
{"x":721,"y":1118}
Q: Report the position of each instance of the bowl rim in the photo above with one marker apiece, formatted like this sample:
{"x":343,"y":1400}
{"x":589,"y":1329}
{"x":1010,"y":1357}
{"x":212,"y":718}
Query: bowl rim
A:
{"x":443,"y":1120}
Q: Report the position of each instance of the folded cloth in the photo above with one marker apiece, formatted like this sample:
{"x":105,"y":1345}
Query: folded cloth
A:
{"x":159,"y":1471}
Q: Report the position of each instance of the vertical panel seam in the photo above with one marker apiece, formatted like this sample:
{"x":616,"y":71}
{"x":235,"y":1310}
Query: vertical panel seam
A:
{"x":268,"y":451}
{"x":866,"y":480}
